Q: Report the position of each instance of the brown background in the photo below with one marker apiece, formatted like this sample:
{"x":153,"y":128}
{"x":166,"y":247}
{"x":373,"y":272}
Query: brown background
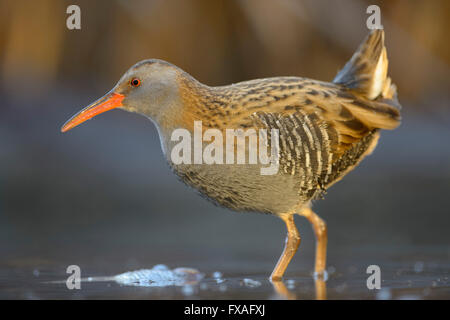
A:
{"x":103,"y":192}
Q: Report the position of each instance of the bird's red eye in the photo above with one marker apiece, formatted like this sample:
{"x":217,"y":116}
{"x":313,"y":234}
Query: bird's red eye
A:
{"x":135,"y":82}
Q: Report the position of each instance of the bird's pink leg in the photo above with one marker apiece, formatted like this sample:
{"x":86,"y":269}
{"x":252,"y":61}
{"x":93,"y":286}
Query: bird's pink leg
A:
{"x":290,"y":248}
{"x":320,"y":230}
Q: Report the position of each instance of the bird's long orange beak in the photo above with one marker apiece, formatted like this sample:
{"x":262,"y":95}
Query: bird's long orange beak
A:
{"x":105,"y":103}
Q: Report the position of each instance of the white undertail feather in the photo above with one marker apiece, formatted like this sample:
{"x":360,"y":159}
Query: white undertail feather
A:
{"x":379,"y":76}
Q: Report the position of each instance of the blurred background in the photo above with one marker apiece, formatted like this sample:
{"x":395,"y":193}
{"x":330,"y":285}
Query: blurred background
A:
{"x":102,"y":197}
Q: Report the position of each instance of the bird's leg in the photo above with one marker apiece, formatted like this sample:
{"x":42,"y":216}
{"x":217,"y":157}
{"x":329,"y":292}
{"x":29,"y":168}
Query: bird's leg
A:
{"x":320,"y":230}
{"x":290,"y":248}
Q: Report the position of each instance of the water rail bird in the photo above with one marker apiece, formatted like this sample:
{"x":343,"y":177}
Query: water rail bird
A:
{"x":324,"y":130}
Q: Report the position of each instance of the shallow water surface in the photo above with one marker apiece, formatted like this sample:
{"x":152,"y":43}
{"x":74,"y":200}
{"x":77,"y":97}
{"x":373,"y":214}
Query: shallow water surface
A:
{"x":401,"y":278}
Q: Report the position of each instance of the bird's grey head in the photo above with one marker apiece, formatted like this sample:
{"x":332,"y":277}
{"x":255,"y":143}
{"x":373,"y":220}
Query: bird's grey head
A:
{"x":150,"y":87}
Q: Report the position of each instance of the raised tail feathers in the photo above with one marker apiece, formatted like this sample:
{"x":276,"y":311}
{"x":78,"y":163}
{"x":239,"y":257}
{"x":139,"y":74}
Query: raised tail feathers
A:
{"x":366,"y":74}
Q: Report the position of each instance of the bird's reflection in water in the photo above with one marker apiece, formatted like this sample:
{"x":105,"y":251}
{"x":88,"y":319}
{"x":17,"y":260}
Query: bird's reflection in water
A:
{"x":321,"y":289}
{"x":284,"y":293}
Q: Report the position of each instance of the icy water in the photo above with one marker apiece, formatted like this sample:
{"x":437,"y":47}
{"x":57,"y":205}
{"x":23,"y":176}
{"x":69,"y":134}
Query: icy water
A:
{"x":409,"y":275}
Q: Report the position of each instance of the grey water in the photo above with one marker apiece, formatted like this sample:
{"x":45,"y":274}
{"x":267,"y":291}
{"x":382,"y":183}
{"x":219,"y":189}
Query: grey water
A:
{"x":427,"y":278}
